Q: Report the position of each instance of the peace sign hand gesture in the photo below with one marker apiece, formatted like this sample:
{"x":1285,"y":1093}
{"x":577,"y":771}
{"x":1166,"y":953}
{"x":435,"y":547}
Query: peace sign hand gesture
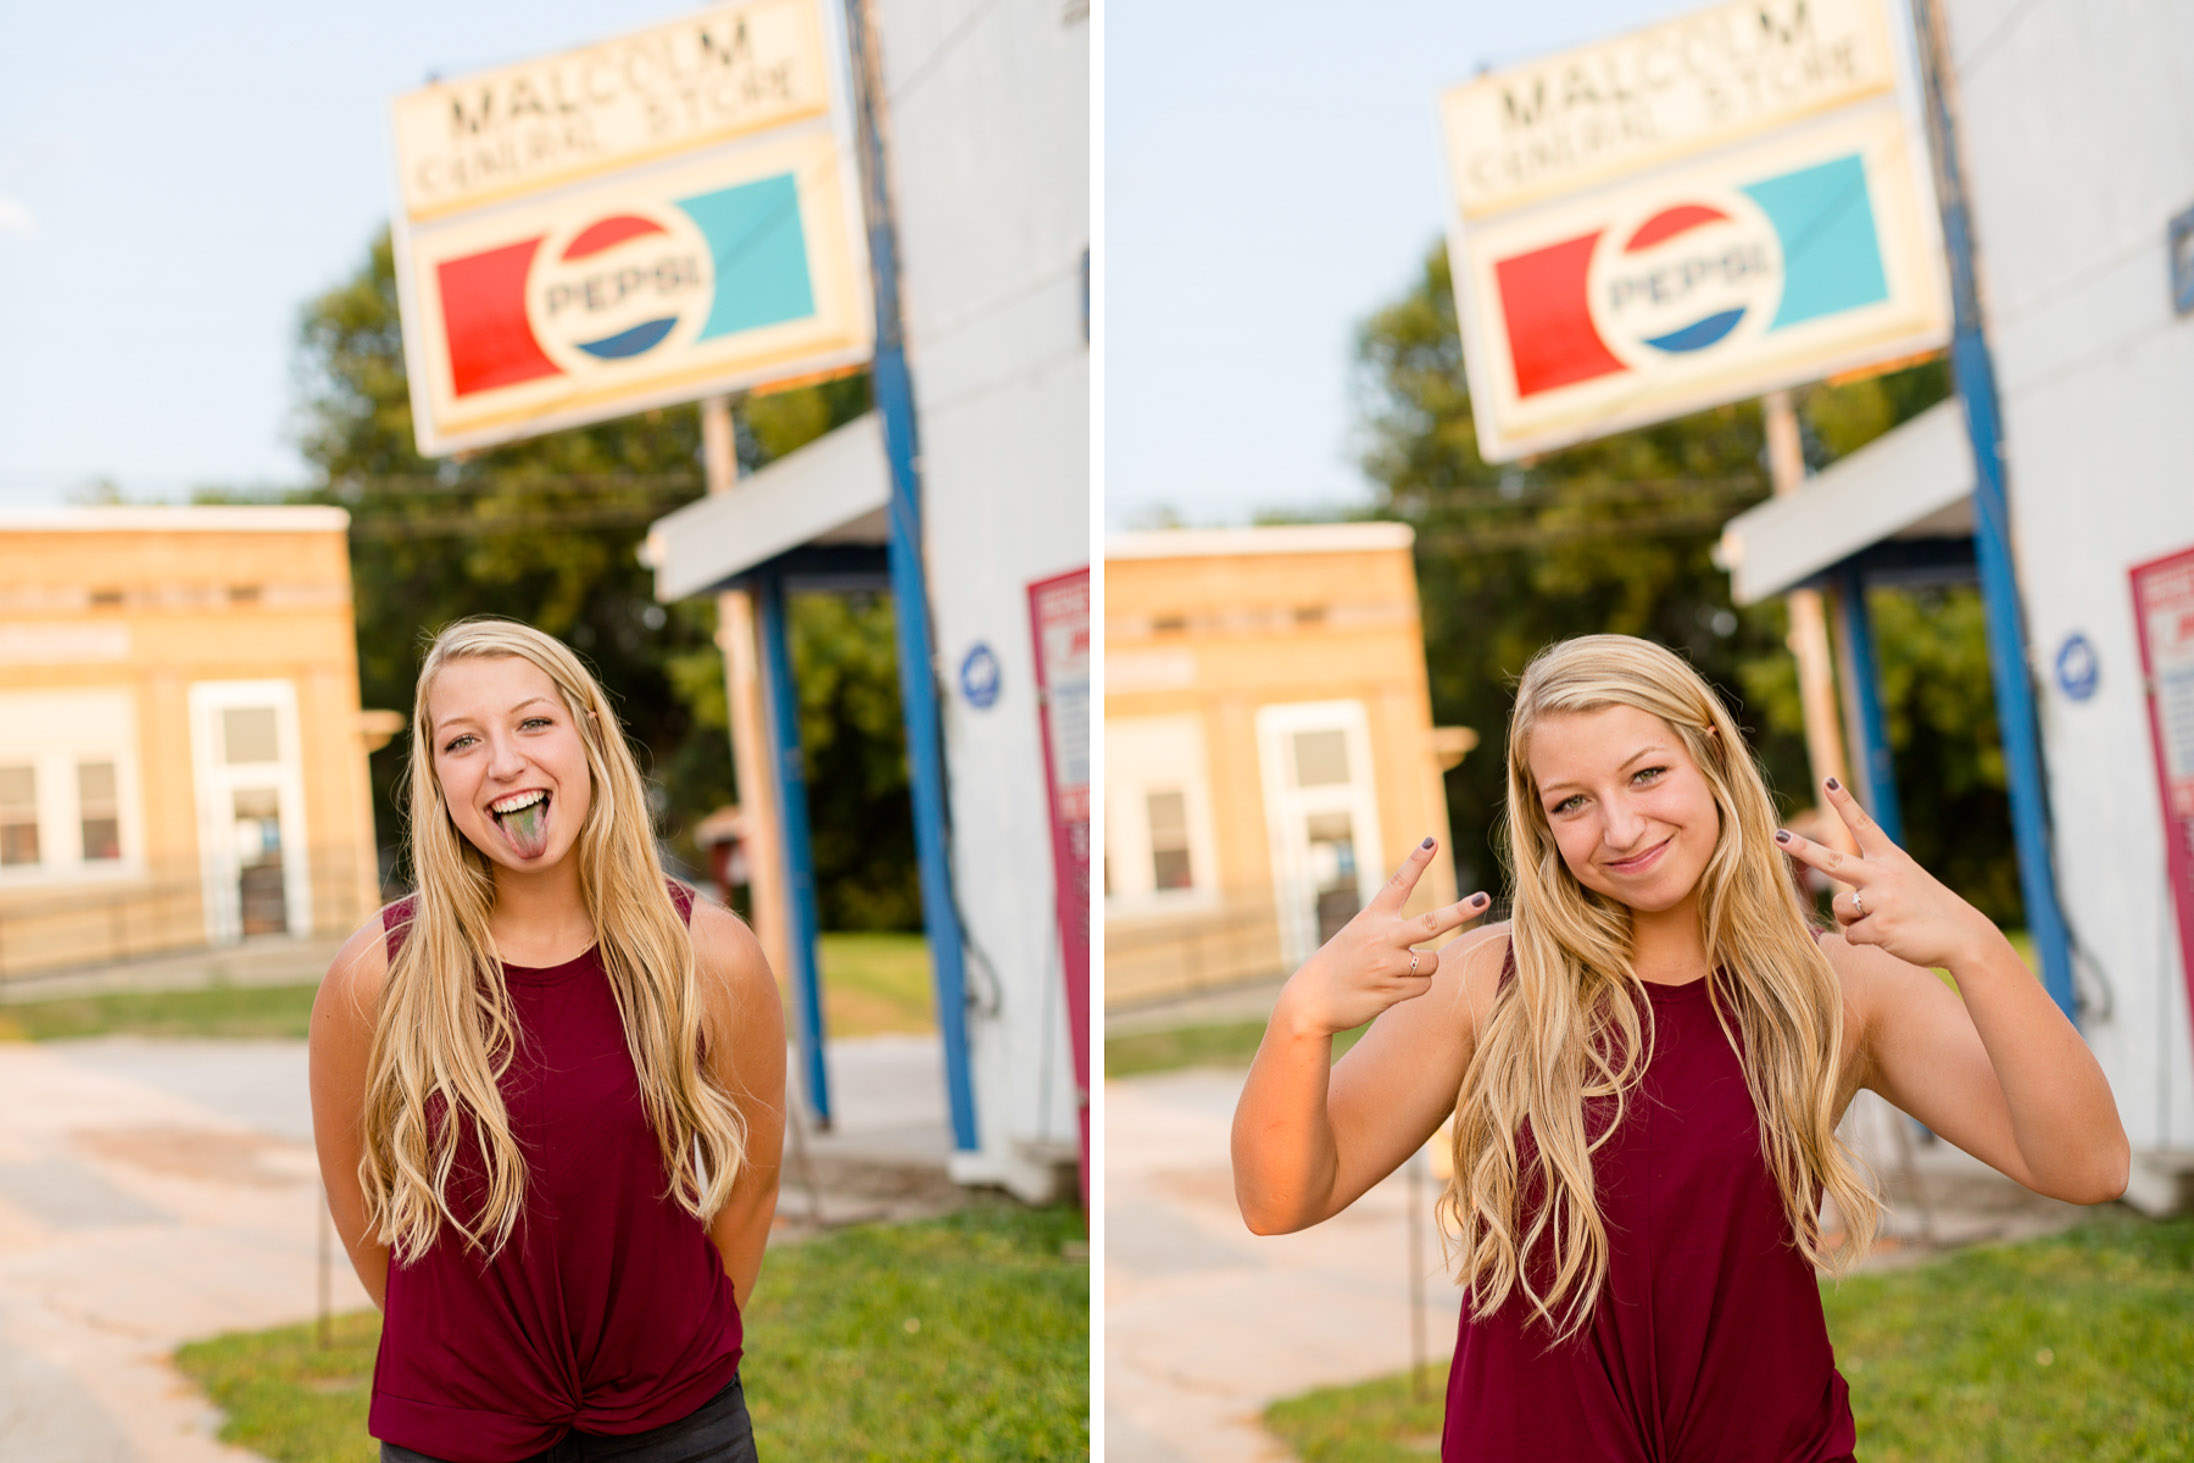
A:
{"x":1368,"y":965}
{"x":1892,"y":901}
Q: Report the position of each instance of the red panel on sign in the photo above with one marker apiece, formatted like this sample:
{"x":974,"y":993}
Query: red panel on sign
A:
{"x":1670,"y":222}
{"x":1551,"y":338}
{"x":598,"y":237}
{"x":2163,"y":618}
{"x":484,"y":314}
{"x":1059,"y":615}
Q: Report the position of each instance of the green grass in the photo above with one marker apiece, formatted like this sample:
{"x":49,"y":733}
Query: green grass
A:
{"x":872,"y":984}
{"x":960,"y":1338}
{"x":965,"y":1337}
{"x":287,"y":1399}
{"x":875,"y":984}
{"x":226,"y":1010}
{"x":1228,"y":1044}
{"x":2080,"y":1345}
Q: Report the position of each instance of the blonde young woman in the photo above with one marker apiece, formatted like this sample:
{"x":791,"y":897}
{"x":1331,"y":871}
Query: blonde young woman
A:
{"x":1645,"y":1068}
{"x":548,"y":1093}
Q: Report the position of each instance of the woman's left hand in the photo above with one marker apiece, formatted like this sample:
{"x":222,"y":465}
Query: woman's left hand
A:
{"x":1892,"y":901}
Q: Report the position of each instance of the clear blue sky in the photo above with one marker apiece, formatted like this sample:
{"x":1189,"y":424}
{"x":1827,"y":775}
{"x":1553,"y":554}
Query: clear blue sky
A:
{"x":1273,"y":174}
{"x":176,"y":181}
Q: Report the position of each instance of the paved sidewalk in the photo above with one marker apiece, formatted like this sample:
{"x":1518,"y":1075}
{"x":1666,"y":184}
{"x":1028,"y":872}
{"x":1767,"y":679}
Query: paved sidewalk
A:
{"x":150,"y":1193}
{"x":158,"y":1191}
{"x":1206,"y":1323}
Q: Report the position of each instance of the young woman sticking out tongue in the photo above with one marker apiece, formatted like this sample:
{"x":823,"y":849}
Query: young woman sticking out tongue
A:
{"x":1645,"y":1068}
{"x":548,"y":1093}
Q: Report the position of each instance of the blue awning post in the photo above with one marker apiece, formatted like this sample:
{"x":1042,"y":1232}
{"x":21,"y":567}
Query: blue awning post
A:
{"x":1877,"y":769}
{"x":2007,"y":655}
{"x":894,"y":395}
{"x":782,"y":701}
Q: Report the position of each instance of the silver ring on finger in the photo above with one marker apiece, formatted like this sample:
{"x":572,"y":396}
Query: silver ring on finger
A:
{"x":1413,"y":960}
{"x":1858,"y":909}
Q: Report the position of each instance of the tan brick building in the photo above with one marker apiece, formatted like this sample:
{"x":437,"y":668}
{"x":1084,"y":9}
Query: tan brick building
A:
{"x":182,"y":755}
{"x":1269,"y":748}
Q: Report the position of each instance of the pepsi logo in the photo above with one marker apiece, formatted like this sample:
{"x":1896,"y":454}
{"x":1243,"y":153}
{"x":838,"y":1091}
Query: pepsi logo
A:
{"x":1683,"y":278}
{"x":620,"y":287}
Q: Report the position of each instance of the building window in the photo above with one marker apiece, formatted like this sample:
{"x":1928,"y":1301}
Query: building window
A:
{"x":1169,"y":860}
{"x":99,"y":810}
{"x":1321,"y":758}
{"x":18,"y":816}
{"x":248,"y":735}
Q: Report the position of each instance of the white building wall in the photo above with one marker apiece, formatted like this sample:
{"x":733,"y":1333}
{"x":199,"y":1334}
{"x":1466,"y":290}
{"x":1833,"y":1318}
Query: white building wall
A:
{"x":988,"y":131}
{"x":2077,"y":130}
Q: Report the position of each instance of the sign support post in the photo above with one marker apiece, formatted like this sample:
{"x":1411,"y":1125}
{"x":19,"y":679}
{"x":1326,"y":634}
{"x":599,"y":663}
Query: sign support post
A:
{"x":743,"y":700}
{"x":1824,"y":741}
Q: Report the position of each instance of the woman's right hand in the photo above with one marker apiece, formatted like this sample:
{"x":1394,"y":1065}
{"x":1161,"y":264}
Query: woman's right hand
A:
{"x":1369,"y":964}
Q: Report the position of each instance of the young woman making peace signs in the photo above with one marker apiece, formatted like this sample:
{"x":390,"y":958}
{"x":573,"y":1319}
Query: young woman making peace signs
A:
{"x":1646,"y":1066}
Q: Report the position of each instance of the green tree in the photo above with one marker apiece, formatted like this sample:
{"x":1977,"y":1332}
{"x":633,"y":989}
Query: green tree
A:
{"x":1617,"y":535}
{"x":548,"y":531}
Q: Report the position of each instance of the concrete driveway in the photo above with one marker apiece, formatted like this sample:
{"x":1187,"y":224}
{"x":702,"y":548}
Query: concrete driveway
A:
{"x":1205,"y":1323}
{"x":150,"y":1193}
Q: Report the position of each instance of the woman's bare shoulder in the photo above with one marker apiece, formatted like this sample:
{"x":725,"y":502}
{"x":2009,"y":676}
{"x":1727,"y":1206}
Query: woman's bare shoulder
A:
{"x":726,"y":954}
{"x":350,"y":992}
{"x":1480,"y":957}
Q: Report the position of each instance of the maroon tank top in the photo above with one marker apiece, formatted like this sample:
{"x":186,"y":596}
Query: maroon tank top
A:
{"x":608,"y":1311}
{"x":1707,"y":1344}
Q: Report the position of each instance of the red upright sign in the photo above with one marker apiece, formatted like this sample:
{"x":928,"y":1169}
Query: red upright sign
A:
{"x":1059,"y":613}
{"x":2163,"y":613}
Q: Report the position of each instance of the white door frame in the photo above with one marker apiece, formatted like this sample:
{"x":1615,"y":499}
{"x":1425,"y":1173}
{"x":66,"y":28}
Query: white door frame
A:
{"x":1289,"y":808}
{"x":217,"y":784}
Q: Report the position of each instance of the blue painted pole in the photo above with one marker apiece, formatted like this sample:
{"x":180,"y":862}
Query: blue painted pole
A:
{"x":894,"y":394}
{"x":1876,"y":764}
{"x":782,"y":699}
{"x":2007,"y":654}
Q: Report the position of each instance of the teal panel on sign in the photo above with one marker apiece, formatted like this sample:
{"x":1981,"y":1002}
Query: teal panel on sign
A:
{"x":1832,"y":260}
{"x":761,"y":255}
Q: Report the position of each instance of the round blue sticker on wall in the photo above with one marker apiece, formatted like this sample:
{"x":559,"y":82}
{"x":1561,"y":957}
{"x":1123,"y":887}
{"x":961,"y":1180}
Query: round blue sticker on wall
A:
{"x":979,"y":677}
{"x":2077,"y":668}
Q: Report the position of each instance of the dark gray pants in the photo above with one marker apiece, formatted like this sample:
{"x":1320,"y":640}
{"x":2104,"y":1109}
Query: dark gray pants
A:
{"x":718,"y":1431}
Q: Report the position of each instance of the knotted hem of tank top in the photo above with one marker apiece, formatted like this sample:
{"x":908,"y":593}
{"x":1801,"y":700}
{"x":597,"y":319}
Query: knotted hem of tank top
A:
{"x":459,"y":1434}
{"x":661,"y":1409}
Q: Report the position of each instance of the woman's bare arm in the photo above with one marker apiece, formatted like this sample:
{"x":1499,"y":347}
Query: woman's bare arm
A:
{"x":747,"y":1054}
{"x":1311,"y":1137}
{"x":1994,"y":1066}
{"x":341,"y":1037}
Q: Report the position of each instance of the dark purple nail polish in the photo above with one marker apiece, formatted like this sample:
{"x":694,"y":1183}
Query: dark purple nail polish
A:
{"x":1478,"y":900}
{"x":1834,"y":785}
{"x":1782,"y":836}
{"x":1426,"y":844}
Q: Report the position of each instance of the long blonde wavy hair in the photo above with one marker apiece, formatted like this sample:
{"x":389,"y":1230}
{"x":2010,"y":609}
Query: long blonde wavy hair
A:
{"x":1575,"y":1023}
{"x":445,"y":1031}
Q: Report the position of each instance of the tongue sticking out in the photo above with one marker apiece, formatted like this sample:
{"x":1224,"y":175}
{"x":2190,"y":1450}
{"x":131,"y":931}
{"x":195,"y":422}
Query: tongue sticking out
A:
{"x":527,"y":829}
